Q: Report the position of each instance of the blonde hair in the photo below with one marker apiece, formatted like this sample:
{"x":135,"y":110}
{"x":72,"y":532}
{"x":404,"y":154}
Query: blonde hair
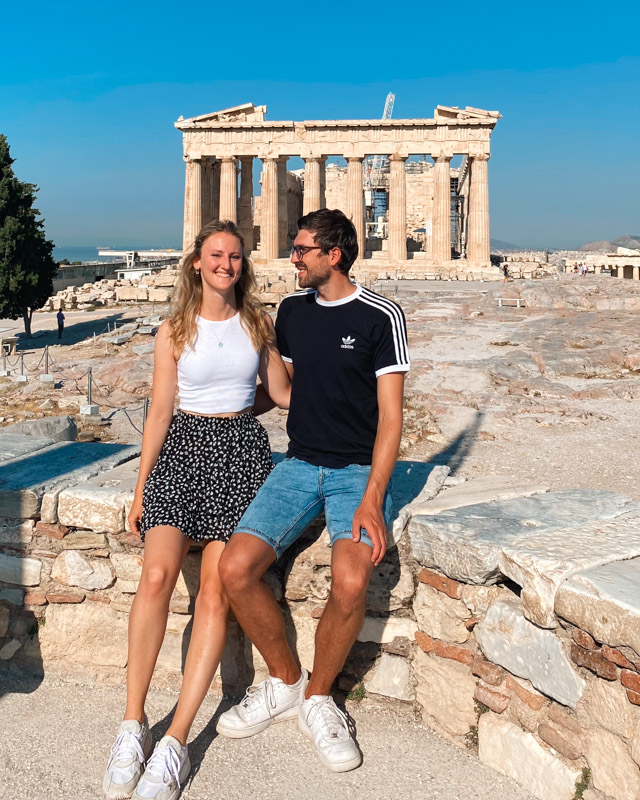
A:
{"x":187,"y":297}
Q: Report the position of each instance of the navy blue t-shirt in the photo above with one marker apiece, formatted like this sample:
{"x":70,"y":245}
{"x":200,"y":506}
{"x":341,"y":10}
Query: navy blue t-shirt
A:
{"x":338,"y":350}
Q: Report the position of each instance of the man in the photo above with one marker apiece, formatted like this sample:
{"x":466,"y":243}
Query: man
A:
{"x":60,"y":318}
{"x":346,"y":351}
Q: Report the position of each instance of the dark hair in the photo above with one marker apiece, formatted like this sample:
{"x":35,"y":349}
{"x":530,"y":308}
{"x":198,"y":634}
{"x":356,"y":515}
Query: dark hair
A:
{"x":331,"y":228}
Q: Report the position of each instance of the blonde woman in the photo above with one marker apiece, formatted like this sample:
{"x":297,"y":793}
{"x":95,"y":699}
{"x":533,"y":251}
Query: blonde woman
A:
{"x":199,"y":470}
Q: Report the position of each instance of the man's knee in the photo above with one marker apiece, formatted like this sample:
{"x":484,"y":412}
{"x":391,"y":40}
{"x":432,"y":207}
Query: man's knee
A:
{"x":349,"y":584}
{"x":241,"y":566}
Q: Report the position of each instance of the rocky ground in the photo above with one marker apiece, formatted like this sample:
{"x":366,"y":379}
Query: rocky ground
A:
{"x":547,"y":394}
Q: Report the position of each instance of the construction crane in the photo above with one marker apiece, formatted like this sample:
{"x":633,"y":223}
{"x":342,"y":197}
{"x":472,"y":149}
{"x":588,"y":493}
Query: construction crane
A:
{"x":375,"y":182}
{"x":377,"y":162}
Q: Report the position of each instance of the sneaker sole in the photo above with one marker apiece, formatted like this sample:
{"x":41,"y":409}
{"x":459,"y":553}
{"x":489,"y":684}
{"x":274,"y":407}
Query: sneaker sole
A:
{"x":245,"y":733}
{"x":340,"y":766}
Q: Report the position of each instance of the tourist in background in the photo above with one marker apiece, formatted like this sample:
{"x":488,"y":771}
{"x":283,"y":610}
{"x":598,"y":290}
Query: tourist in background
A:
{"x":60,"y":318}
{"x":199,"y":471}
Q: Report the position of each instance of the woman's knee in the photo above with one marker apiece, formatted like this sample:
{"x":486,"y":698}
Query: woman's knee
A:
{"x":212,"y":598}
{"x":157,"y":581}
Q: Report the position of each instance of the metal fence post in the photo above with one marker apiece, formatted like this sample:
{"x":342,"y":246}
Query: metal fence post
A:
{"x":145,"y":412}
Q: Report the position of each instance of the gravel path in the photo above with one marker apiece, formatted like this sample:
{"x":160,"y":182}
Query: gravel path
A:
{"x":63,"y":755}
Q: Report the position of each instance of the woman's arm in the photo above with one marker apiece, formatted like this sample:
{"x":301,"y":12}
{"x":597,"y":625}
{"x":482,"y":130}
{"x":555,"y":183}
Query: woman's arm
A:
{"x":165,"y":382}
{"x":273,"y":373}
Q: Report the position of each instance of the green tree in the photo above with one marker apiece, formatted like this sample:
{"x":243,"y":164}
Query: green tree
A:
{"x":27,"y":267}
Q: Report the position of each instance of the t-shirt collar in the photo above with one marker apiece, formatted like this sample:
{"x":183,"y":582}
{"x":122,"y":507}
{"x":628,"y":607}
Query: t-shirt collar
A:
{"x":342,"y":300}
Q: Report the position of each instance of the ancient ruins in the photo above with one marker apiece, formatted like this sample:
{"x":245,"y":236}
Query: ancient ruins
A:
{"x":412,"y":214}
{"x":506,"y":612}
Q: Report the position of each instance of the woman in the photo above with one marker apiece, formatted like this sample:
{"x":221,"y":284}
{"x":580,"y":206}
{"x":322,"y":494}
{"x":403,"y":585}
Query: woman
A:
{"x":199,"y":470}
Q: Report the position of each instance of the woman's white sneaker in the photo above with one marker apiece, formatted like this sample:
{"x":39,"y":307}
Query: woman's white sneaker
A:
{"x":323,"y":722}
{"x":167,"y":769}
{"x":127,"y":758}
{"x":263,"y":704}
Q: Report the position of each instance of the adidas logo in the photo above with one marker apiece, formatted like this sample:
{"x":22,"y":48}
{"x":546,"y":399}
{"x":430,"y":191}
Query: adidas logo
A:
{"x":347,"y":343}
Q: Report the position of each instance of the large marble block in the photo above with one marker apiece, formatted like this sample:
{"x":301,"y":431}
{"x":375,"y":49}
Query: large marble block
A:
{"x":99,"y":504}
{"x":508,"y":639}
{"x":24,"y":481}
{"x":535,"y":541}
{"x":605,"y":601}
{"x":17,"y":445}
{"x":487,"y":489}
{"x":511,"y":751}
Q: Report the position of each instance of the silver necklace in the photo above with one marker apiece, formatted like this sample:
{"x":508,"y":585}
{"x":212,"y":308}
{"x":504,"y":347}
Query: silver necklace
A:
{"x":220,"y":339}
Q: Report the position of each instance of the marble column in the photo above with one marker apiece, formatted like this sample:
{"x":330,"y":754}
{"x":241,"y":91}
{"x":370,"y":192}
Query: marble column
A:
{"x":192,"y":202}
{"x":355,"y":201}
{"x":323,"y":181}
{"x":283,"y":216}
{"x":311,"y":197}
{"x":210,"y":189}
{"x":479,"y":248}
{"x":228,"y":189}
{"x":269,"y":212}
{"x":397,"y":209}
{"x":441,"y":228}
{"x":245,"y":211}
{"x":636,"y":273}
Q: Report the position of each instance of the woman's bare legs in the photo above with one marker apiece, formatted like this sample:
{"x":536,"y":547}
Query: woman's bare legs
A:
{"x":164,"y":551}
{"x":208,"y":636}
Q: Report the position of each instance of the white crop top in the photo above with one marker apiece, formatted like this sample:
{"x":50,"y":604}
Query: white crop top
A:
{"x":214,"y":379}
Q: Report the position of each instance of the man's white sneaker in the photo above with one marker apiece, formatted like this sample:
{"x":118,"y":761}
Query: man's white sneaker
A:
{"x":166,"y":771}
{"x":263,"y":704}
{"x":126,"y":760}
{"x":327,"y":726}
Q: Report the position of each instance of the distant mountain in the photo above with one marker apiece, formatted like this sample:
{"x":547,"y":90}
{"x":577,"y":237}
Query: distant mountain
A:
{"x":497,"y":244}
{"x":630,"y":240}
{"x":601,"y":246}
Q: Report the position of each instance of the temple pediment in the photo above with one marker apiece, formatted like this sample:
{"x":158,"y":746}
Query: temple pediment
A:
{"x":247,"y":112}
{"x":453,"y":112}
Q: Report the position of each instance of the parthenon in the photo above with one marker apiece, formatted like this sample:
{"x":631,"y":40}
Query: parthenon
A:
{"x":451,"y":227}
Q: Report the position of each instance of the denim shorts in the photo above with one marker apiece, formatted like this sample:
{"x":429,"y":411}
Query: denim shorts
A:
{"x":296,"y":493}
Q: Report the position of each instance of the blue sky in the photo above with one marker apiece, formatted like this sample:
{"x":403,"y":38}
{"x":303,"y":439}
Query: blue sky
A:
{"x":89,"y":94}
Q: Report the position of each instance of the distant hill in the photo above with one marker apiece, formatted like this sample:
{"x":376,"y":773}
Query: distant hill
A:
{"x":630,"y":240}
{"x":497,"y":244}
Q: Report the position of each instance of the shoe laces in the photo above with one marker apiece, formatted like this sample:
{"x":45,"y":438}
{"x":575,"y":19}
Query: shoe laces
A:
{"x":263,"y":692}
{"x":164,"y":762}
{"x":126,"y":747}
{"x":333,"y":721}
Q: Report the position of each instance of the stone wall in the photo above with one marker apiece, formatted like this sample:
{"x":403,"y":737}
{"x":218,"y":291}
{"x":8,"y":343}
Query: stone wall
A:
{"x":506,"y":615}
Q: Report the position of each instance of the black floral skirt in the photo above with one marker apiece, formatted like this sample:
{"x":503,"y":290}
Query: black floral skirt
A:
{"x":207,"y":473}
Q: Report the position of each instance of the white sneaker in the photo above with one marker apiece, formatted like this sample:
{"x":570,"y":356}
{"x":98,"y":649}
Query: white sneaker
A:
{"x":166,"y":771}
{"x":263,"y":704}
{"x":327,"y":726}
{"x":126,"y":760}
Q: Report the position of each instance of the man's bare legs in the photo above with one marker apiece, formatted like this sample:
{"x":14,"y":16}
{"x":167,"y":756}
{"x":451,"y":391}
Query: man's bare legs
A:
{"x":242,"y":567}
{"x":343,"y":614}
{"x":164,"y":551}
{"x":206,"y":644}
{"x":244,"y":562}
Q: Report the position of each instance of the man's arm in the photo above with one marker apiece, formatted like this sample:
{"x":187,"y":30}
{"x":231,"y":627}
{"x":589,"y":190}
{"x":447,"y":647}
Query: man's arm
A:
{"x":385,"y":452}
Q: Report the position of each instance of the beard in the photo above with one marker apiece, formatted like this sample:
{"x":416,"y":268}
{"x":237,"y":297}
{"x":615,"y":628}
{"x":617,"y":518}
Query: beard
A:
{"x":308,"y":280}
